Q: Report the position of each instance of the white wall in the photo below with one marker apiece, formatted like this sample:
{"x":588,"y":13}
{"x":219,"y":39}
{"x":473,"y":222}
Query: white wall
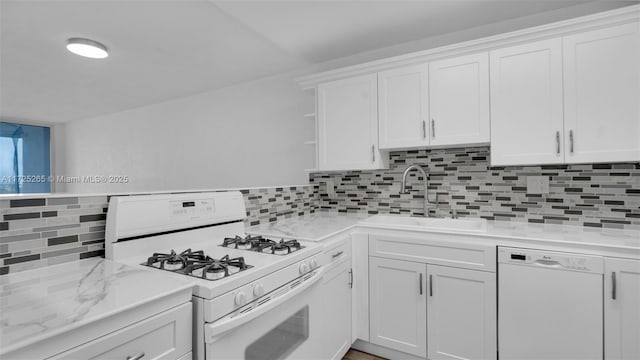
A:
{"x":242,"y":136}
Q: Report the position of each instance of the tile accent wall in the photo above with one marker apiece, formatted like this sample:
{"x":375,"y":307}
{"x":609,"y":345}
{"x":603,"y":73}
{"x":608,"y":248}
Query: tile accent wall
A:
{"x":35,"y":233}
{"x":272,"y":204}
{"x":41,"y":232}
{"x":596,"y":195}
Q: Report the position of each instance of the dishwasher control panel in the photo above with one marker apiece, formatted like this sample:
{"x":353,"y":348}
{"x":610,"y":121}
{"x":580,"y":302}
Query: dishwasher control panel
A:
{"x":551,"y":259}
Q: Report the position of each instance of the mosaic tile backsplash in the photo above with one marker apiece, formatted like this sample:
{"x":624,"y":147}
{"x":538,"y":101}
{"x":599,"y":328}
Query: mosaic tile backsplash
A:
{"x":39,"y":232}
{"x":596,"y":195}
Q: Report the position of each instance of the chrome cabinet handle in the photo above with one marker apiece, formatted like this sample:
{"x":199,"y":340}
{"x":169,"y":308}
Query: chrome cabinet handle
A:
{"x":373,"y":153}
{"x":571,"y":141}
{"x":558,"y":142}
{"x":351,"y":278}
{"x":430,"y":285}
{"x":420,"y":280}
{"x":424,"y":129}
{"x":136,"y":357}
{"x":336,"y":254}
{"x":433,"y":129}
{"x":613,"y":285}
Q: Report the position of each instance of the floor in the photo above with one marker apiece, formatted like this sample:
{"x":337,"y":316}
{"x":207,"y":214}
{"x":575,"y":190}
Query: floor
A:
{"x":358,"y":355}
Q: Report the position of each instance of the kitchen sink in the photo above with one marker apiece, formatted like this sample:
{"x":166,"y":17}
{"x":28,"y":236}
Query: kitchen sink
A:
{"x":472,"y":225}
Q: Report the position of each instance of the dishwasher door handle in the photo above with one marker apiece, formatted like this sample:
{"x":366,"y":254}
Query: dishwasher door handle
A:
{"x":548,"y":263}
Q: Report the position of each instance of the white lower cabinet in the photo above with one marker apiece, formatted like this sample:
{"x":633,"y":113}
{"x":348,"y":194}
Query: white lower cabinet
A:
{"x":398,"y":311}
{"x":461,"y":313}
{"x":337,"y":310}
{"x":432,"y":296}
{"x":622,"y":309}
{"x":164,"y":336}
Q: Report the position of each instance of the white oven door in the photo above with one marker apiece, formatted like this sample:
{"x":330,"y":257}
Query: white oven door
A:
{"x":286,"y":326}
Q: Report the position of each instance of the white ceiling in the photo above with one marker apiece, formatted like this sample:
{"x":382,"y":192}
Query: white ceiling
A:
{"x":163,"y":49}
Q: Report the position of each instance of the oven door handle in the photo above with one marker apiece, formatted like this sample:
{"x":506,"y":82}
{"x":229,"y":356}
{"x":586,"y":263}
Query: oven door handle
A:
{"x":217,"y":328}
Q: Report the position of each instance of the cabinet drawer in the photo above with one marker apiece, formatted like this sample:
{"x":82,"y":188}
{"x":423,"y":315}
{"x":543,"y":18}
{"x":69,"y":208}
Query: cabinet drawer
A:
{"x":164,"y":336}
{"x":437,"y":249}
{"x":338,"y":249}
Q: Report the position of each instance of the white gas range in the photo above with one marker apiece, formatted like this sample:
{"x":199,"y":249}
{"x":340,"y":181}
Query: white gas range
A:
{"x":253,"y":298}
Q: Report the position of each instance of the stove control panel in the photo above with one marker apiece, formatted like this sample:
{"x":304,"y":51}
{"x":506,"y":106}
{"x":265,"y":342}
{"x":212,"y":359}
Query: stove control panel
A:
{"x":192,"y":209}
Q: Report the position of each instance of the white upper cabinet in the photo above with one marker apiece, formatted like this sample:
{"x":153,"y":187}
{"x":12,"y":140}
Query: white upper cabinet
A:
{"x":442,"y":103}
{"x":348,"y":124}
{"x":526,"y":104}
{"x":602,"y":95}
{"x":459,"y":100}
{"x":537,"y":99}
{"x":403,"y":107}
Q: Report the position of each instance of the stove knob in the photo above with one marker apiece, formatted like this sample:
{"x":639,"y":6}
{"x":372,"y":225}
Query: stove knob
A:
{"x":313,"y":264}
{"x":240,"y":299}
{"x":258,"y":290}
{"x":304,"y":268}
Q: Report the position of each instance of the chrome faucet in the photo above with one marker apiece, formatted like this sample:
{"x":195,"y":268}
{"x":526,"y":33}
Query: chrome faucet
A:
{"x":427,"y":204}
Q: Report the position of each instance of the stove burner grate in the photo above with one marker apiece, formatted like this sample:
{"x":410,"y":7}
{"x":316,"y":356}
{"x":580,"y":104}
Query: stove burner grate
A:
{"x":197,"y":264}
{"x":260,"y":244}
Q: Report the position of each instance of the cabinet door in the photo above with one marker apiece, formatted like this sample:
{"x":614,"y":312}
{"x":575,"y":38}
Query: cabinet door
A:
{"x":348,"y":124}
{"x":398,"y":305}
{"x":526,"y":104}
{"x":459,"y":100}
{"x":602,"y":95}
{"x":337,"y":310}
{"x":403,"y":107}
{"x":461,"y":314}
{"x":622,"y":309}
{"x":360,"y":290}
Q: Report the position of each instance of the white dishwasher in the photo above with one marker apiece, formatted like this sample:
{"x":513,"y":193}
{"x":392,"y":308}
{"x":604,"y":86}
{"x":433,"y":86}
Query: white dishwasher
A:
{"x":549,"y":305}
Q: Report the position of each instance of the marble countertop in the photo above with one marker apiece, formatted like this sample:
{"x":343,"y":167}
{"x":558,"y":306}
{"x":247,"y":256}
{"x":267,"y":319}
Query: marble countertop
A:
{"x":313,"y":227}
{"x":322,"y":225}
{"x":41,"y":303}
{"x":507,"y":232}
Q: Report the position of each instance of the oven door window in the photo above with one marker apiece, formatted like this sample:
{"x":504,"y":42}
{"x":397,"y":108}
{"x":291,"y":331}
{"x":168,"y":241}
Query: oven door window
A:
{"x":282,"y":339}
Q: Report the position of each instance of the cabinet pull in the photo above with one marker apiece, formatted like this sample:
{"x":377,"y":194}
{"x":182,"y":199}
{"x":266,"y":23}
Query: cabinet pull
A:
{"x":430,"y":285}
{"x":433,"y":129}
{"x":136,"y":357}
{"x":351,"y":278}
{"x":373,"y":153}
{"x":336,"y":254}
{"x":420,"y":281}
{"x":558,"y":142}
{"x":424,"y":129}
{"x":571,"y":141}
{"x":613,"y":285}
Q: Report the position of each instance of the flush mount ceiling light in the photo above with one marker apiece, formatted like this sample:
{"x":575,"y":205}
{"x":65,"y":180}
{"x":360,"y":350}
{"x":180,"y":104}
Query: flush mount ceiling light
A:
{"x":87,"y":48}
